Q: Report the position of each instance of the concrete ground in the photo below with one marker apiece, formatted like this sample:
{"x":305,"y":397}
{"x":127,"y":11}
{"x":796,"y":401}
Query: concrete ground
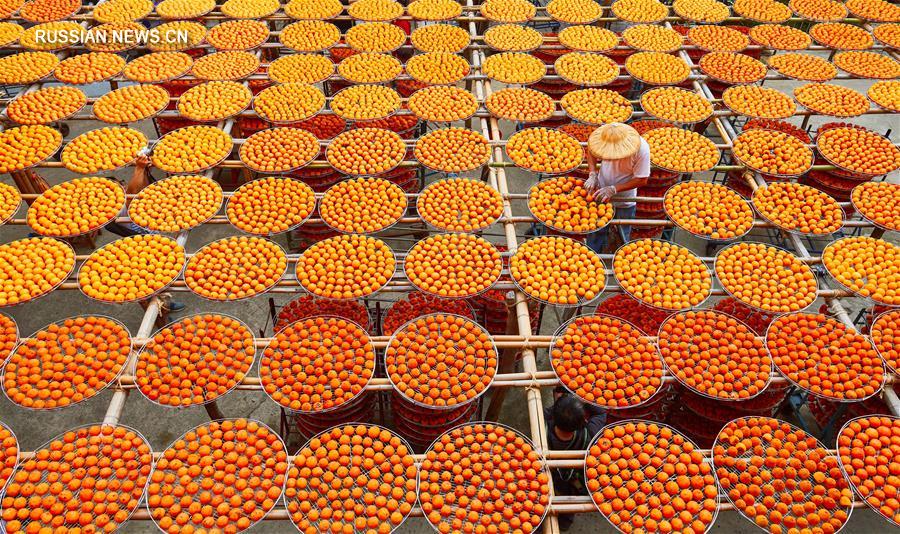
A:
{"x":161,"y":426}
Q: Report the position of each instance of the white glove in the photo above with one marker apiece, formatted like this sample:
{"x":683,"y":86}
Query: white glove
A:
{"x":592,"y":182}
{"x":605,"y":193}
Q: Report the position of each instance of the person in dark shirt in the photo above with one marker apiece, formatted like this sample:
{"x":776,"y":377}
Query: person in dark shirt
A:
{"x":571,"y":425}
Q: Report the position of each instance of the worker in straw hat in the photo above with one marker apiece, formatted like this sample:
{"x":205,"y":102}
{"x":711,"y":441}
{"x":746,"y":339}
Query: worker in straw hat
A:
{"x":619,"y":162}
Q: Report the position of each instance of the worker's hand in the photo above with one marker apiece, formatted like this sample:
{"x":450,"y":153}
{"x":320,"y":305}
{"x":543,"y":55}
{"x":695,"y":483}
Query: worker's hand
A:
{"x":142,"y":161}
{"x":592,"y":182}
{"x":605,"y":193}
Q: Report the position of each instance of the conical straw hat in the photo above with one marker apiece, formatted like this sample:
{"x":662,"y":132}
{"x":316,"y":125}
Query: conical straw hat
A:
{"x":614,"y":141}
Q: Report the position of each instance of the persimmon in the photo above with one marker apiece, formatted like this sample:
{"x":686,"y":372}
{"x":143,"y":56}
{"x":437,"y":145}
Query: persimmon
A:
{"x":191,"y":149}
{"x":646,"y":477}
{"x":803,"y":67}
{"x":732,"y":68}
{"x":306,"y":306}
{"x":780,"y":37}
{"x":544,"y":150}
{"x":73,"y":31}
{"x":460,"y":205}
{"x":833,"y":100}
{"x":323,"y":126}
{"x":565,"y":205}
{"x":647,"y":11}
{"x":841,"y":36}
{"x":878,"y":202}
{"x":366,"y":151}
{"x":508,"y":10}
{"x":103,"y":149}
{"x":513,"y":68}
{"x":440,"y":38}
{"x":250,"y":9}
{"x":680,"y":150}
{"x":779,"y":477}
{"x":858,"y":150}
{"x":453,"y":265}
{"x":194,"y":31}
{"x":588,"y":38}
{"x":184,"y":9}
{"x":310,"y":35}
{"x":714,"y":38}
{"x":773,"y":153}
{"x":352,"y":478}
{"x":9,"y":7}
{"x":131,"y":268}
{"x":131,"y":103}
{"x":709,"y":210}
{"x":375,"y":37}
{"x":279,"y":150}
{"x":26,"y":146}
{"x":76,"y":207}
{"x":888,"y":34}
{"x":885,"y":333}
{"x":676,"y":105}
{"x":452,"y":149}
{"x":867,"y":452}
{"x":416,"y":305}
{"x":706,"y":11}
{"x":33,"y":267}
{"x":619,"y":368}
{"x":375,"y":10}
{"x":521,"y":482}
{"x":762,"y":10}
{"x":798,"y":208}
{"x":368,"y":67}
{"x":158,"y":67}
{"x":437,"y":67}
{"x":176,"y":204}
{"x":365,"y":102}
{"x":765,"y":277}
{"x":579,"y":131}
{"x":874,"y":10}
{"x":313,"y":9}
{"x":88,"y":68}
{"x":759,"y":102}
{"x":867,"y":65}
{"x":26,"y":67}
{"x":90,"y":479}
{"x":362,"y":205}
{"x":225,"y":65}
{"x":596,"y":106}
{"x":345,"y":267}
{"x":9,"y":33}
{"x":103,"y":37}
{"x":657,"y":68}
{"x":88,"y":353}
{"x":434,"y":9}
{"x":317,"y":364}
{"x":122,"y":10}
{"x":520,"y":104}
{"x":574,"y":11}
{"x":513,"y":38}
{"x":10,"y":200}
{"x":819,"y":10}
{"x":301,"y":68}
{"x":270,"y":205}
{"x":9,"y":453}
{"x":49,"y":10}
{"x":288,"y":102}
{"x":238,"y":35}
{"x":778,"y":126}
{"x":865,"y":265}
{"x":825,"y":357}
{"x":235,"y":268}
{"x":214,"y":101}
{"x":441,"y":360}
{"x":222,"y":476}
{"x":558,"y":270}
{"x":652,"y":38}
{"x":586,"y":68}
{"x":442,"y":103}
{"x":662,"y":274}
{"x":715,"y":355}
